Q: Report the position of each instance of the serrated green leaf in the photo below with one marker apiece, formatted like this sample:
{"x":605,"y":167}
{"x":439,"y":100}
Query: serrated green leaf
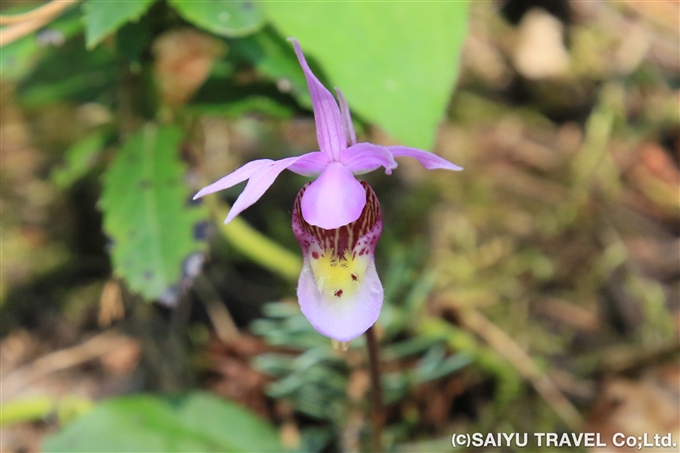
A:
{"x":146,"y":215}
{"x":223,"y":17}
{"x":80,"y":158}
{"x":192,"y":422}
{"x":105,"y":16}
{"x":396,"y":62}
{"x":19,"y":57}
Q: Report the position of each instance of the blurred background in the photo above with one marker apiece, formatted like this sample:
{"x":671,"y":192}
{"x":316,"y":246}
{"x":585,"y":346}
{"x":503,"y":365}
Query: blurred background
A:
{"x":536,"y":291}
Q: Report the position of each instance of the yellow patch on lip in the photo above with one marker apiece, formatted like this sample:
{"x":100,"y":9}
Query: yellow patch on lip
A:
{"x":338,"y":277}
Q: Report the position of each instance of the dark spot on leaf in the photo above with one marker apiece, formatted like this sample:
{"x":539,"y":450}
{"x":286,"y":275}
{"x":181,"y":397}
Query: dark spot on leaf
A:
{"x":247,"y":6}
{"x":132,"y":234}
{"x":148,"y":275}
{"x":144,"y":184}
{"x":191,"y":202}
{"x":338,"y":293}
{"x":172,"y":182}
{"x":201,"y":230}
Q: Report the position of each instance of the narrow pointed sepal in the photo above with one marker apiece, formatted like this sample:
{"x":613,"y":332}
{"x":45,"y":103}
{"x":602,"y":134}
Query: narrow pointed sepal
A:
{"x":330,"y":132}
{"x":428,"y":160}
{"x":260,"y":175}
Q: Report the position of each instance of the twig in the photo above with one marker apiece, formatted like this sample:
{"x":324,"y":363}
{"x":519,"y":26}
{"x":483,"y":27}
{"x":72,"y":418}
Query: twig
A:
{"x":378,"y":414}
{"x":357,"y":388}
{"x":37,"y":18}
{"x":60,"y":360}
{"x":514,"y":354}
{"x":47,"y":10}
{"x":221,"y":319}
{"x":13,"y":32}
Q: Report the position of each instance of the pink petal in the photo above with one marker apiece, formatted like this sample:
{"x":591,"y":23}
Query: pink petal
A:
{"x":341,"y":319}
{"x":329,"y":131}
{"x":346,"y":118}
{"x":239,"y":175}
{"x":311,"y":164}
{"x":365,"y":157}
{"x":335,"y":199}
{"x":428,"y":160}
{"x":257,"y":185}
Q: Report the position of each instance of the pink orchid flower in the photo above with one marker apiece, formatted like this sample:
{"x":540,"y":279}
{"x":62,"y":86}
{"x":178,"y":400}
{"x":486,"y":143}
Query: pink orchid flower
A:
{"x":336,"y":219}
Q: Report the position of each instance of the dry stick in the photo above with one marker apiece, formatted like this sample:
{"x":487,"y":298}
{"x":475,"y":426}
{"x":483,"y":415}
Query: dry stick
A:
{"x":48,"y":9}
{"x":514,"y":354}
{"x":222,"y":321}
{"x":94,"y":347}
{"x":35,"y":19}
{"x":376,"y":390}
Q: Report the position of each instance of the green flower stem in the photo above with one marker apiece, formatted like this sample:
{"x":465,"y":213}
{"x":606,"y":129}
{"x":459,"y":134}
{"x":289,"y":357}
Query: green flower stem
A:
{"x":378,"y":409}
{"x":26,"y":410}
{"x":256,"y":246}
{"x":37,"y":408}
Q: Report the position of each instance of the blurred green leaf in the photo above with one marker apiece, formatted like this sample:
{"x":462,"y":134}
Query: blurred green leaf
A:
{"x":80,"y":158}
{"x":241,"y":107}
{"x":192,"y":422}
{"x":16,"y":58}
{"x":144,"y":201}
{"x":220,"y":96}
{"x":396,"y":62}
{"x":222,"y":17}
{"x":69,"y":72}
{"x":104,"y":16}
{"x":19,"y":57}
{"x":274,"y":58}
{"x":134,"y":38}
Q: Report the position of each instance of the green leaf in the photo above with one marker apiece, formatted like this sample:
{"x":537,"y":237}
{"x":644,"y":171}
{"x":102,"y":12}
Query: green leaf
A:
{"x":192,"y":422}
{"x":144,"y":201}
{"x":274,"y":58}
{"x":71,"y":73}
{"x":223,"y":17}
{"x":105,"y":16}
{"x":134,"y":38}
{"x":396,"y":62}
{"x":19,"y":57}
{"x":238,"y":108}
{"x":80,"y":158}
